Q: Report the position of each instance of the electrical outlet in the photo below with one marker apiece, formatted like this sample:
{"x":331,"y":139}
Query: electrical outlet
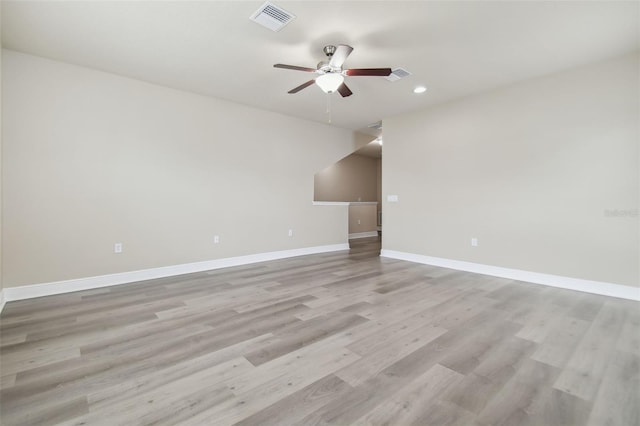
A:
{"x":359,"y":222}
{"x":216,"y":239}
{"x":117,"y":248}
{"x":291,"y":232}
{"x":474,"y":242}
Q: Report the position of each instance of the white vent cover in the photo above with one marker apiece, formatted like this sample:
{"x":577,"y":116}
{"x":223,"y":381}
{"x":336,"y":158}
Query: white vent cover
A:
{"x":271,"y":16}
{"x":397,"y":74}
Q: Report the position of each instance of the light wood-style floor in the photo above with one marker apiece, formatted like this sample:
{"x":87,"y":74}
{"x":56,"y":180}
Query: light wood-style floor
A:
{"x":344,"y":338}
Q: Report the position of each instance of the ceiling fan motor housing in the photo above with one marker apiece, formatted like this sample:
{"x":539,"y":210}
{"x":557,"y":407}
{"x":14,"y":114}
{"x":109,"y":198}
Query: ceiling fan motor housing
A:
{"x":329,"y":50}
{"x":326,"y":67}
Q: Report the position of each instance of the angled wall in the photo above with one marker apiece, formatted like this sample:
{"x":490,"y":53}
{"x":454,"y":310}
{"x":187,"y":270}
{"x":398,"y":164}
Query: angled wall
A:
{"x":353,"y":178}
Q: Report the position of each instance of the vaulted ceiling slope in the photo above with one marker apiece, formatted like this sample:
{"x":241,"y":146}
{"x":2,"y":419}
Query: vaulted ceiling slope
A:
{"x":455,"y":48}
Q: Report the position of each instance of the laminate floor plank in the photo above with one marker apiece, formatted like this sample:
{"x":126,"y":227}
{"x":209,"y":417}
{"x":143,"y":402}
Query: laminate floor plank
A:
{"x":511,"y":404}
{"x":275,"y":303}
{"x":560,"y":344}
{"x":230,"y":357}
{"x":21,"y":361}
{"x":82,"y":376}
{"x":305,"y":401}
{"x":301,"y":359}
{"x":88,"y":327}
{"x":478,"y":346}
{"x":407,"y":406}
{"x":478,"y":387}
{"x":387,"y":334}
{"x":404,"y":305}
{"x":270,"y":392}
{"x":443,"y":413}
{"x":355,"y":404}
{"x":617,"y":401}
{"x":331,"y":308}
{"x":629,"y":338}
{"x":375,"y":362}
{"x":158,"y":403}
{"x":583,"y":373}
{"x":47,"y":414}
{"x":303,"y":334}
{"x":337,"y":338}
{"x":7,"y":380}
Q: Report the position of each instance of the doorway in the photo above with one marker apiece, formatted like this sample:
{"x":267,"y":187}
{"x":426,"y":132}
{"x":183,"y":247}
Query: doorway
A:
{"x":357,"y":180}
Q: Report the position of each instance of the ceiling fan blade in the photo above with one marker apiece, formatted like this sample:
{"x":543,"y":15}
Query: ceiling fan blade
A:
{"x":368,"y":71}
{"x":294,"y":67}
{"x":340,"y":55}
{"x":344,"y":90}
{"x":302,"y":86}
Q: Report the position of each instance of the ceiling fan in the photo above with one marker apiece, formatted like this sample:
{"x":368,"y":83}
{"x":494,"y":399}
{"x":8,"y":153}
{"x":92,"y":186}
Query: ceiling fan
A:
{"x":331,"y":75}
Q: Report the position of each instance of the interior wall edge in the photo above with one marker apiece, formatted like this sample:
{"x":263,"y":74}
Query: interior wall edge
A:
{"x":569,"y":283}
{"x":59,"y":287}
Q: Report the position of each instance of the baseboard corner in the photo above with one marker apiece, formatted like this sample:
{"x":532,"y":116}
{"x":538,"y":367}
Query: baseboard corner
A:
{"x":587,"y":286}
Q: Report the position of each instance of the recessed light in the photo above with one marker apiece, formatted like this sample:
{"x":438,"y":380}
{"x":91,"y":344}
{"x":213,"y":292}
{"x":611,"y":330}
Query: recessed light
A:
{"x":420,"y":89}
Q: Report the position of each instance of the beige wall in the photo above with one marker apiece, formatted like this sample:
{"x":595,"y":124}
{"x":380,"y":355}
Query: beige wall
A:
{"x":536,"y":171}
{"x":362,"y":218}
{"x":353,"y":178}
{"x":92,"y":159}
{"x":379,"y":183}
{"x":1,"y":192}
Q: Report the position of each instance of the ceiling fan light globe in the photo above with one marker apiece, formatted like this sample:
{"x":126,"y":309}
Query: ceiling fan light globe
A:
{"x":330,"y":82}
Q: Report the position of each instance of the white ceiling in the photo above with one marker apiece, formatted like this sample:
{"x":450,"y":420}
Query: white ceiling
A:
{"x":455,"y":48}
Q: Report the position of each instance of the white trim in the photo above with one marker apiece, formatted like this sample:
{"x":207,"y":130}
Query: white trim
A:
{"x":47,"y":289}
{"x":588,"y":286}
{"x":3,"y":301}
{"x":331,"y":203}
{"x":345,"y":203}
{"x":363,"y":235}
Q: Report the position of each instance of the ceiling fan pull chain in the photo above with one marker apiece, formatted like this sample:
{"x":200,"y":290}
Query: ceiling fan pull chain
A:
{"x":329,"y":106}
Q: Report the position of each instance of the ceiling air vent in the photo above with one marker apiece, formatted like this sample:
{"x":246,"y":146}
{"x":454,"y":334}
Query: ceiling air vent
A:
{"x":271,"y":16}
{"x":397,"y":74}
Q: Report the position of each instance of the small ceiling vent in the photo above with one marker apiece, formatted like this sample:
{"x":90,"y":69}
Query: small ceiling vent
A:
{"x":397,"y":74}
{"x":271,"y":16}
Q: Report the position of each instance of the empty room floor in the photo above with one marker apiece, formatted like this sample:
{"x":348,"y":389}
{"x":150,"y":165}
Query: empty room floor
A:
{"x":344,"y":338}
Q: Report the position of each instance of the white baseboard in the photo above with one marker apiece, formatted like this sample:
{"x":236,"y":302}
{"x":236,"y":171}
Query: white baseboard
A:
{"x":363,"y":235}
{"x":59,"y":287}
{"x":3,"y":301}
{"x":587,"y":286}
